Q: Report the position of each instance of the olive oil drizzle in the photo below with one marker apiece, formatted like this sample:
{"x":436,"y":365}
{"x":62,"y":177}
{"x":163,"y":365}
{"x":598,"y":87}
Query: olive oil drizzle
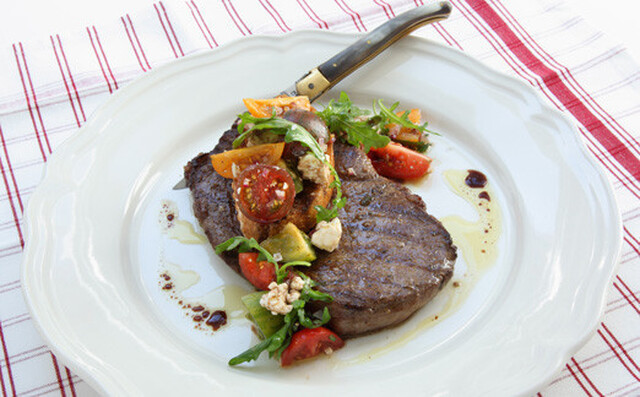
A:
{"x":477,"y":240}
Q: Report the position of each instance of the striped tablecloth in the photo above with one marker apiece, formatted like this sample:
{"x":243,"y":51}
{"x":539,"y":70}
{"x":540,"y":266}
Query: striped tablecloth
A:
{"x":49,"y":87}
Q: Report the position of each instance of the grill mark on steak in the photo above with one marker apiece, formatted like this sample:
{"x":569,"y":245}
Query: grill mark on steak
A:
{"x":392,"y":259}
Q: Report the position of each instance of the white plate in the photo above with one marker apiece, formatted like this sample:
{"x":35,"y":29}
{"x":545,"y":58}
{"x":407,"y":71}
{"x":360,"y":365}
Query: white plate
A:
{"x":94,"y":247}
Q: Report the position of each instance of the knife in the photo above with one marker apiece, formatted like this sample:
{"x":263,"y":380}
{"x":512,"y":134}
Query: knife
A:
{"x":329,"y":73}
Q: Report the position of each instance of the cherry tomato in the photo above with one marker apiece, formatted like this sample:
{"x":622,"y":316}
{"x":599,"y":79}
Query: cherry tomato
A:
{"x":309,"y":342}
{"x":264,"y":193}
{"x":260,"y":274}
{"x":268,"y":153}
{"x":397,"y":161}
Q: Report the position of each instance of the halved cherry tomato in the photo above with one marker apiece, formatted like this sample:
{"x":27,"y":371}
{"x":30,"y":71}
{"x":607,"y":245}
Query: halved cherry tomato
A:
{"x":266,"y":107}
{"x":268,"y":153}
{"x":264,"y":193}
{"x":397,"y":161}
{"x":260,"y":274}
{"x":309,"y":342}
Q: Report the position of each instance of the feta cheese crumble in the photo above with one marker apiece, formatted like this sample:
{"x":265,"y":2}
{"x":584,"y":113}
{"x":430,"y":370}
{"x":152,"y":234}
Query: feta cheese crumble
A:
{"x":314,"y":169}
{"x":280,"y":296}
{"x":327,"y":234}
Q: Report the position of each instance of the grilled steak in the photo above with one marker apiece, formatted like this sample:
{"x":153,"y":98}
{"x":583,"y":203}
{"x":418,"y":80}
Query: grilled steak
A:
{"x":392,"y":259}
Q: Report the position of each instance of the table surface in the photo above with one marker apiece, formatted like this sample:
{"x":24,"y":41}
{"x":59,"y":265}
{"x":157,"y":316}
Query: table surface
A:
{"x":29,"y":20}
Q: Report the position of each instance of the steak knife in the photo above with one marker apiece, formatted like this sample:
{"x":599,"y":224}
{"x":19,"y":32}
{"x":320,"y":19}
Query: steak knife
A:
{"x":329,"y":73}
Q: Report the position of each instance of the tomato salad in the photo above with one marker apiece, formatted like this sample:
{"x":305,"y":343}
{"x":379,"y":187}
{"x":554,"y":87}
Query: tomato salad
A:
{"x":284,"y":149}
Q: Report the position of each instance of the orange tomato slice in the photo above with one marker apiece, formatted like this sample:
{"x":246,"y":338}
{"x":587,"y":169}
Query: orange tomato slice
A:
{"x":264,"y":107}
{"x":268,"y":153}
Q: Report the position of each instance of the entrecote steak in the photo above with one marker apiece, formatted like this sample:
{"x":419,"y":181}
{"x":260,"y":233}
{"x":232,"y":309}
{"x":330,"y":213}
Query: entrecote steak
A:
{"x":393,"y":257}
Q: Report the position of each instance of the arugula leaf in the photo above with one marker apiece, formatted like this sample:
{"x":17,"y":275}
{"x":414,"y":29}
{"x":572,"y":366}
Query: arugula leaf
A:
{"x":276,"y":343}
{"x":343,"y":117}
{"x":244,"y":245}
{"x":281,"y":274}
{"x":402,"y":120}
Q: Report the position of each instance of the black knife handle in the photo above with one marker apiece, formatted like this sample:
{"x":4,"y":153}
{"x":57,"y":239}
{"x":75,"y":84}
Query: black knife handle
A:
{"x":366,"y":48}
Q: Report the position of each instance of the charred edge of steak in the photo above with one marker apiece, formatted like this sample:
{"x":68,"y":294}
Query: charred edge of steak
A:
{"x":212,"y":196}
{"x":392,"y":259}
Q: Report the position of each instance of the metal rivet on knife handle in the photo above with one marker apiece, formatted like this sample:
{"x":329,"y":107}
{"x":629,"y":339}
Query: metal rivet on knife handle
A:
{"x":313,"y":84}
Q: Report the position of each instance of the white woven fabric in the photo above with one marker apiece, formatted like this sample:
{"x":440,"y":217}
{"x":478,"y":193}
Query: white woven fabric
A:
{"x":50,"y":85}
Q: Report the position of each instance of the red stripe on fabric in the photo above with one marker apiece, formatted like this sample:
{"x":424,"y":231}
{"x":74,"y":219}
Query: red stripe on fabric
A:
{"x":29,"y":106}
{"x":233,"y":18}
{"x":384,"y":8}
{"x":57,"y":369}
{"x":64,"y":79}
{"x":275,"y":15}
{"x":70,"y":380}
{"x":631,"y":235}
{"x":238,"y":16}
{"x":613,"y":349}
{"x":7,"y":364}
{"x":575,"y":376}
{"x":344,"y":8}
{"x":626,"y":297}
{"x":10,"y":289}
{"x":633,"y":247}
{"x":193,"y":13}
{"x":353,"y":18}
{"x":309,"y":14}
{"x":173,"y":32}
{"x":95,"y":50}
{"x":13,"y":176}
{"x":356,"y":13}
{"x":628,"y":289}
{"x":35,"y":98}
{"x":607,"y":162}
{"x":317,"y":18}
{"x":584,"y":375}
{"x":166,"y":32}
{"x":135,"y":51}
{"x":390,"y":8}
{"x":570,"y":79}
{"x":135,"y":35}
{"x":272,"y":16}
{"x":507,"y":56}
{"x":624,"y":351}
{"x":104,"y":56}
{"x":447,"y":37}
{"x":206,"y":26}
{"x":553,"y":82}
{"x":10,"y":283}
{"x":2,"y":386}
{"x":73,"y":83}
{"x":13,"y":207}
{"x":504,"y":54}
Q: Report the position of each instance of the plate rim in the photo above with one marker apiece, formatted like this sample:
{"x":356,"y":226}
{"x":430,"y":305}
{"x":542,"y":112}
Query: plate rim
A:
{"x":30,"y":218}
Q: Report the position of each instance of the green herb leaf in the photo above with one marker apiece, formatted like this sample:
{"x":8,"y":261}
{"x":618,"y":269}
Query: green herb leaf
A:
{"x":402,"y":120}
{"x":343,"y":117}
{"x":251,"y":354}
{"x":281,"y":274}
{"x":245,"y":245}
